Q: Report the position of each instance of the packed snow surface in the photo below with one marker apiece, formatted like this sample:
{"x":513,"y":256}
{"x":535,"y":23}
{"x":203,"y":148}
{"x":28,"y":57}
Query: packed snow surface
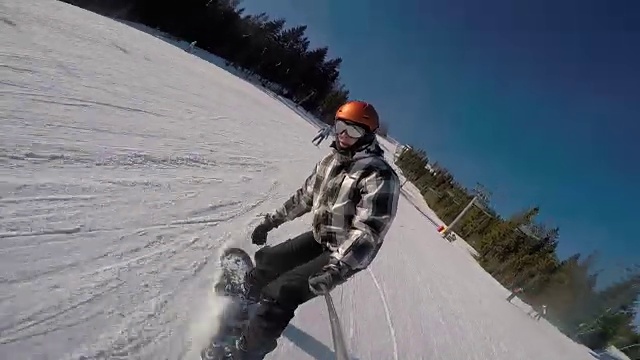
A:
{"x":127,"y":164}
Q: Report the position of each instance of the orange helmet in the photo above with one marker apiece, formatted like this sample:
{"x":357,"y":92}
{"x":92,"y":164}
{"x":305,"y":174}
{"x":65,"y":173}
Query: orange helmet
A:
{"x":359,"y":112}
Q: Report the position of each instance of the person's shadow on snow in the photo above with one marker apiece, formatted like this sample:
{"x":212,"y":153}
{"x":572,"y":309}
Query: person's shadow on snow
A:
{"x":309,"y":344}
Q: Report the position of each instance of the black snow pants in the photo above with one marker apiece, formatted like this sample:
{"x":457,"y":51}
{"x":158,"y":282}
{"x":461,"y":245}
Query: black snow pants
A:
{"x":281,"y":274}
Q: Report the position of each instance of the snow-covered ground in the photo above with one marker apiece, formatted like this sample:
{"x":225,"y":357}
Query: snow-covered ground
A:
{"x":126,"y":164}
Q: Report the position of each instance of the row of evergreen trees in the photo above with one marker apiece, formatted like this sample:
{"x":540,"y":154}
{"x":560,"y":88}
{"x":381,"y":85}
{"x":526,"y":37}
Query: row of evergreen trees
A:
{"x":255,"y":43}
{"x":520,"y":252}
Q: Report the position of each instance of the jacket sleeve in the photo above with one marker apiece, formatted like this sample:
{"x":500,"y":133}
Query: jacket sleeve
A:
{"x":374,"y":214}
{"x":298,"y":204}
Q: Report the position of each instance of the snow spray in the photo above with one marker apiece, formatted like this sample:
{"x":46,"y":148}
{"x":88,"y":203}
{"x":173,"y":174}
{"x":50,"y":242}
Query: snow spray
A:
{"x":209,"y":315}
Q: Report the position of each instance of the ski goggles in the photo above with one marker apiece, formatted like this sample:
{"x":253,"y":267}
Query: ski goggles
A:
{"x":352,"y":130}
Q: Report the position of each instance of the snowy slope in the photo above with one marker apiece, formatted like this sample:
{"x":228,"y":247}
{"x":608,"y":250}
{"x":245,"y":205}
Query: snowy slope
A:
{"x":126,"y":164}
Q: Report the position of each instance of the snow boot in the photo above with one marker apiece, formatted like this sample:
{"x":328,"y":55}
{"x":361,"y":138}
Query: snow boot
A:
{"x":237,"y":350}
{"x":244,"y":353}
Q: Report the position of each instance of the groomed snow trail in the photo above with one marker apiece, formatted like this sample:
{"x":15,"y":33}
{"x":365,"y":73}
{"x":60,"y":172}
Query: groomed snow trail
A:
{"x":126,"y":164}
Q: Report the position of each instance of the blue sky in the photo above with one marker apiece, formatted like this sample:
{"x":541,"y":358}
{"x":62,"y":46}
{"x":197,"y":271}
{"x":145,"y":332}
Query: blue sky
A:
{"x":538,"y":100}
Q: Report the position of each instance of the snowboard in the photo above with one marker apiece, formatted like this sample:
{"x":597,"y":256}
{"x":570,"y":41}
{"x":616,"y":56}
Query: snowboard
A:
{"x":235,"y":263}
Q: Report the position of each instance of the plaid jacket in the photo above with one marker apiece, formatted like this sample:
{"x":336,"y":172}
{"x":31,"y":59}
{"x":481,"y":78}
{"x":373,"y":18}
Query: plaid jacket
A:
{"x":353,"y":200}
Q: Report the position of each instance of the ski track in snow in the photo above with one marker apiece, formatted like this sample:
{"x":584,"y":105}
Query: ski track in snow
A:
{"x":126,"y":165}
{"x":387,"y":314}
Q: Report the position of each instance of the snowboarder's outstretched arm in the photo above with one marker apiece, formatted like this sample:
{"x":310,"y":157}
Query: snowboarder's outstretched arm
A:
{"x":374,"y":214}
{"x":298,"y":204}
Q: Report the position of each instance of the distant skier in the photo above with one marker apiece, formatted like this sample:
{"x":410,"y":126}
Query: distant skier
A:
{"x":353,"y":195}
{"x":191,"y":47}
{"x":515,"y":293}
{"x":541,"y":313}
{"x":322,"y":134}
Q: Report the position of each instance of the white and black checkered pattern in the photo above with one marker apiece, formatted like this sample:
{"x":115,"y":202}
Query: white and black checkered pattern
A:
{"x":353,"y":199}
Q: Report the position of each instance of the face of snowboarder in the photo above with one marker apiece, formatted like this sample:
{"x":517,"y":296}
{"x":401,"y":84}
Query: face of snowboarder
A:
{"x":347,"y":133}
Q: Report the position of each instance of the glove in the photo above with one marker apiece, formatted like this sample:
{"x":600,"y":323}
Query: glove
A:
{"x":328,"y":278}
{"x":259,"y":235}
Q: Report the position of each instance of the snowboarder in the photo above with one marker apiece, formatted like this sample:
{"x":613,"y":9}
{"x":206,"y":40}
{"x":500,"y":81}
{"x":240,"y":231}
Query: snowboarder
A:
{"x":322,"y":134}
{"x":353,"y":195}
